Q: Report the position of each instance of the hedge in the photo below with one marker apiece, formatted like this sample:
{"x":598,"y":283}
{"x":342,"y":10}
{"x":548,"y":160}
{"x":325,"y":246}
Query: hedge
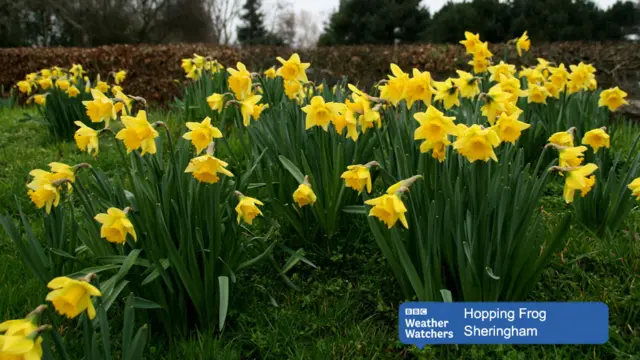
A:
{"x":154,"y":69}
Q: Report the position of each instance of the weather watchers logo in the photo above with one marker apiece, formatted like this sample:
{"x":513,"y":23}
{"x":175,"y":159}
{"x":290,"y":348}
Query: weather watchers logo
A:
{"x":423,"y":323}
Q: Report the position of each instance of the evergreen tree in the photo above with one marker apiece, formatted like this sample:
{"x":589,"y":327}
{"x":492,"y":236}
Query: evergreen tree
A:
{"x":376,"y":22}
{"x":252,"y":31}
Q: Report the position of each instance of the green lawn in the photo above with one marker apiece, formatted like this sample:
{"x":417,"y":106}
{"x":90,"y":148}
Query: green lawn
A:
{"x":347,"y":307}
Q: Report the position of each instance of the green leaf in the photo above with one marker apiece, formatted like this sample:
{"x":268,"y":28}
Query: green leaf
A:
{"x":223,"y":283}
{"x":292,"y":168}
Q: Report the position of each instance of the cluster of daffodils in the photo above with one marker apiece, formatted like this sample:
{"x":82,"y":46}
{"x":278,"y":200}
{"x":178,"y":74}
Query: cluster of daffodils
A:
{"x":22,"y":338}
{"x":72,"y":82}
{"x":198,"y":65}
{"x":578,"y":177}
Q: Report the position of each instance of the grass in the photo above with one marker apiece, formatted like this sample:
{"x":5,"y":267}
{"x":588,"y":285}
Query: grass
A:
{"x":347,"y":307}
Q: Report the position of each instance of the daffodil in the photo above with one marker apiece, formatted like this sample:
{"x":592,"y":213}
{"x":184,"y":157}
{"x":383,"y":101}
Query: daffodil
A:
{"x":45,"y":83}
{"x":240,"y":81}
{"x":293,"y":69}
{"x":248,"y":109}
{"x":24,"y":87}
{"x":571,"y":156}
{"x":270,"y":73}
{"x":581,"y":76}
{"x":101,"y":108}
{"x":509,"y":128}
{"x":320,"y":113}
{"x":578,"y":179}
{"x":613,"y":98}
{"x":501,"y":68}
{"x":40,"y":99}
{"x":511,"y":85}
{"x":138,"y":133}
{"x":304,"y":195}
{"x":115,"y":226}
{"x":202,"y":134}
{"x":72,"y":297}
{"x":216,"y":101}
{"x":523,"y":43}
{"x":447,"y":92}
{"x":63,"y":84}
{"x":102,"y":86}
{"x":480,"y":64}
{"x":494,"y":103}
{"x":438,"y":148}
{"x":471,"y":41}
{"x":533,"y":75}
{"x":562,"y":138}
{"x":20,"y":340}
{"x":20,"y":347}
{"x":293,"y":89}
{"x":434,"y":126}
{"x":206,"y":168}
{"x":370,"y":117}
{"x":86,"y":138}
{"x":634,"y":186}
{"x":419,"y":88}
{"x":395,"y":89}
{"x":389,"y":208}
{"x":467,"y":84}
{"x":596,"y":138}
{"x":247,"y":208}
{"x":477,"y":143}
{"x":73,"y":91}
{"x":537,"y":94}
{"x":119,"y":77}
{"x":358,"y":177}
{"x":559,"y":76}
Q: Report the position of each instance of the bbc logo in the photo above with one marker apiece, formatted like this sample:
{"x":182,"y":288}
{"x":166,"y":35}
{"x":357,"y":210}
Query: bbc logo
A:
{"x":415,"y":311}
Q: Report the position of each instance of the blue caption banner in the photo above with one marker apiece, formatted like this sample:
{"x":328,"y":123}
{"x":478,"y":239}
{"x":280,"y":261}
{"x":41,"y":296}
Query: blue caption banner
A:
{"x":430,"y":323}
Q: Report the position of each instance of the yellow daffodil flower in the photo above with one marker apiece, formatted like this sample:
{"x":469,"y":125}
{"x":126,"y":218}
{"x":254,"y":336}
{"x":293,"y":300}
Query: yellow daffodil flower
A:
{"x":537,"y":94}
{"x":115,"y":226}
{"x":40,"y":99}
{"x":467,"y":84}
{"x":293,"y":69}
{"x":247,"y":209}
{"x":613,"y":98}
{"x":434,"y":126}
{"x":270,"y":73}
{"x":138,"y":133}
{"x":86,"y":138}
{"x":509,"y":128}
{"x":202,"y":134}
{"x":447,"y":92}
{"x":249,"y":109}
{"x":562,"y":138}
{"x":395,"y":89}
{"x":72,"y":297}
{"x":419,"y":88}
{"x":358,"y":177}
{"x":320,"y":113}
{"x":216,"y":102}
{"x":304,"y":195}
{"x":597,"y":138}
{"x":240,"y":81}
{"x":119,"y":77}
{"x":101,"y":108}
{"x":502,"y":68}
{"x":477,"y":143}
{"x":634,"y":186}
{"x":205,"y":168}
{"x":578,"y":179}
{"x":523,"y":43}
{"x":471,"y":41}
{"x":73,"y":91}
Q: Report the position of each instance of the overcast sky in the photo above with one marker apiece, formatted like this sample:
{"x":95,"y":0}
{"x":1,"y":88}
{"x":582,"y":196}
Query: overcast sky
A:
{"x":323,"y":8}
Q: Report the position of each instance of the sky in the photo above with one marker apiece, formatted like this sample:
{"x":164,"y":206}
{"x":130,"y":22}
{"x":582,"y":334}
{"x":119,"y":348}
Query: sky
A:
{"x":323,"y":8}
